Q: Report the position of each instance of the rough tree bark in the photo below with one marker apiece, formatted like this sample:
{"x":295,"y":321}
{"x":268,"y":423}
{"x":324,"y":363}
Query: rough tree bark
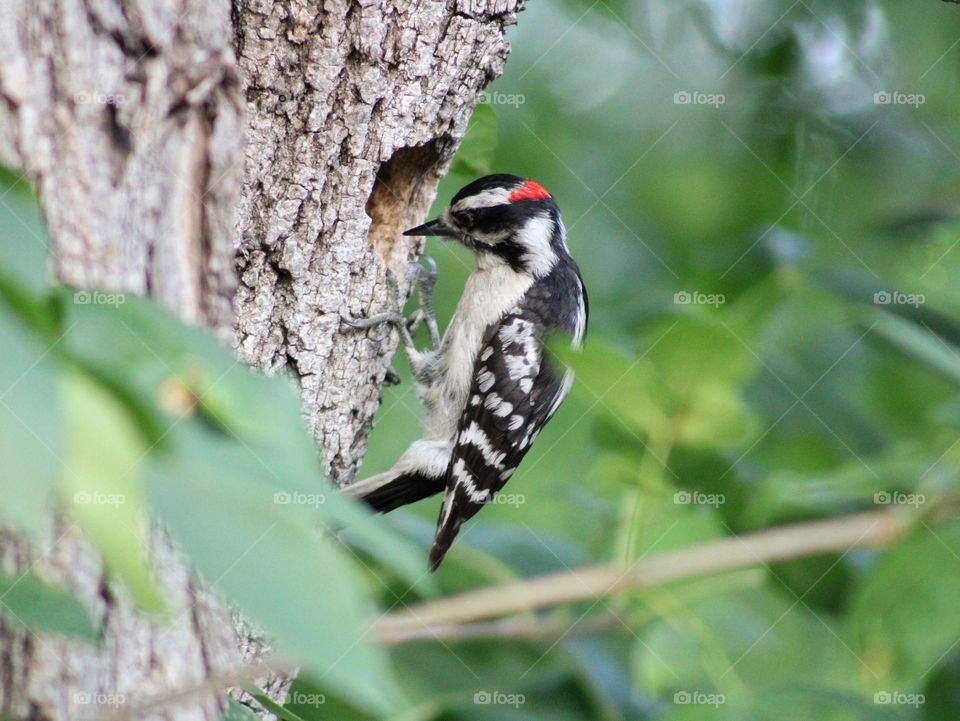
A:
{"x":181,"y":146}
{"x":355,"y":110}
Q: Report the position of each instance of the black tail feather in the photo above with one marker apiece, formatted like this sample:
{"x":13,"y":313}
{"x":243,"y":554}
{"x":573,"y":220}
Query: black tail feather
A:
{"x":447,"y":529}
{"x":404,"y":489}
{"x":441,"y":544}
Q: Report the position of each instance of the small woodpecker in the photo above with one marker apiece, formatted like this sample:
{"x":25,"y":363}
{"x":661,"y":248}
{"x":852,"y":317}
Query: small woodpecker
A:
{"x":487,"y":387}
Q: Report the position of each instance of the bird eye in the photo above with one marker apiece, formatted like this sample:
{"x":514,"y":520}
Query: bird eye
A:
{"x":465,"y":216}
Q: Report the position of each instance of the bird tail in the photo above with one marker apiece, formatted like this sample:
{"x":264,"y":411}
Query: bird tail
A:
{"x":446,"y":533}
{"x":387,"y":491}
{"x":454,"y":511}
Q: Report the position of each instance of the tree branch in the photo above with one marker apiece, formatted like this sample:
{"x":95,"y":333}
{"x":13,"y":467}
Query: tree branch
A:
{"x":446,"y":617}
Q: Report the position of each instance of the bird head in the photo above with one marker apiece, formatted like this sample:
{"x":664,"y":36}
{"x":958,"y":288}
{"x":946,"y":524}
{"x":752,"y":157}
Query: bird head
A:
{"x":503,"y":219}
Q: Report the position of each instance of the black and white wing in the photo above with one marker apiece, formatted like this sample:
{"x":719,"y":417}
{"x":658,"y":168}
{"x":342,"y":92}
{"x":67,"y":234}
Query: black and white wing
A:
{"x":513,"y":394}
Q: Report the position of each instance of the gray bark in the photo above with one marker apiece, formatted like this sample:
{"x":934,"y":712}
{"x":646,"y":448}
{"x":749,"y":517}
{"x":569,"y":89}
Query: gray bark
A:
{"x":181,"y":146}
{"x":355,"y":111}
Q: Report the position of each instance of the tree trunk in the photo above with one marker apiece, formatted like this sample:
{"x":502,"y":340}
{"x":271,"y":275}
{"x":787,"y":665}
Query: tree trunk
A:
{"x":178,"y":147}
{"x":355,"y":111}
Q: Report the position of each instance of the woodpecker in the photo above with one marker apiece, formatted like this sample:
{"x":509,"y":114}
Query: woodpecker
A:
{"x":488,"y":387}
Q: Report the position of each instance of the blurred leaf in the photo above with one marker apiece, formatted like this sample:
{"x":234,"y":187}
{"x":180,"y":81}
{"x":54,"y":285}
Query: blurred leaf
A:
{"x":23,"y":249}
{"x":758,"y":638}
{"x":918,"y":343}
{"x":30,"y":428}
{"x":176,"y":376}
{"x":677,"y":351}
{"x":42,"y":608}
{"x":610,"y":383}
{"x":261,"y":547}
{"x":683,"y":519}
{"x":476,"y":666}
{"x":475,"y":155}
{"x":281,"y":712}
{"x":904,"y":614}
{"x":674,"y":380}
{"x":366,"y":532}
{"x":942,"y":691}
{"x":799,"y":703}
{"x":847,"y":486}
{"x":715,"y":416}
{"x":236,"y":711}
{"x":309,"y":701}
{"x":100,"y":482}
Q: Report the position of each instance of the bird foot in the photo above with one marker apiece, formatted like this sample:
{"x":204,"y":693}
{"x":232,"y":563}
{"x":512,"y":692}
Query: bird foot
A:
{"x":425,"y":279}
{"x":394,"y":315}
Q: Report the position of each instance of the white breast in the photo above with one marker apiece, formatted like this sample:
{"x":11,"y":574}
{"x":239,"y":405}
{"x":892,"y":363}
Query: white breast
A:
{"x":490,"y":292}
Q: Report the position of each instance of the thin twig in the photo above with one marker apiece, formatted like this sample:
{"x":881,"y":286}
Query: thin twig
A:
{"x":522,"y":627}
{"x":442,"y":617}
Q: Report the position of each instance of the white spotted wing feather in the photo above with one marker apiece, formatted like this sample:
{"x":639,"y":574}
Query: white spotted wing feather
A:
{"x":512,"y":396}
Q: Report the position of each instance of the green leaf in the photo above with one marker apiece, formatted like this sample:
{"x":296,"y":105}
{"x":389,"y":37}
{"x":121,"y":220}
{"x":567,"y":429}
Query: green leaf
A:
{"x":23,"y":247}
{"x":179,"y":377}
{"x":175,"y":376}
{"x":236,"y":711}
{"x":30,"y":428}
{"x":477,"y":665}
{"x":675,"y":388}
{"x":850,"y":485}
{"x":904,"y":615}
{"x":16,"y":184}
{"x":756,"y":637}
{"x":475,"y":155}
{"x":263,"y":549}
{"x":610,"y":383}
{"x":281,"y":712}
{"x":43,"y":608}
{"x":782,"y":703}
{"x":715,"y":415}
{"x":678,"y":351}
{"x":918,"y":343}
{"x":312,"y":703}
{"x":100,"y":482}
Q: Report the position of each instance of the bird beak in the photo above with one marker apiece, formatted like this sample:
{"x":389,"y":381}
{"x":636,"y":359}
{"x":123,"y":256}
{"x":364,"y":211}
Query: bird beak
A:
{"x":434,"y":227}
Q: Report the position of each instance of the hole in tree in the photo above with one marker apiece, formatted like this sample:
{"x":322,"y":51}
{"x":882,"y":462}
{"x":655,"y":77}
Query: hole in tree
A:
{"x":402,"y":193}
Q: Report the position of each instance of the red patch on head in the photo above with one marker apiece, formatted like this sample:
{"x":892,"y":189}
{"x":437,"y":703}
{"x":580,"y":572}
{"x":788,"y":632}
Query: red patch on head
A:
{"x":530,"y":190}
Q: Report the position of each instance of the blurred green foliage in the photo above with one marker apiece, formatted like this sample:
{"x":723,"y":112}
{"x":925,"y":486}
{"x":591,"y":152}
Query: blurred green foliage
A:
{"x":109,"y":405}
{"x":764,"y":199}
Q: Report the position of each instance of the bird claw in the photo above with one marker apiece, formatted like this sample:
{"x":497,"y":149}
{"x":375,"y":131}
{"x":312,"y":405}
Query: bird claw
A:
{"x":425,"y":279}
{"x":393,"y":316}
{"x":374,"y":320}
